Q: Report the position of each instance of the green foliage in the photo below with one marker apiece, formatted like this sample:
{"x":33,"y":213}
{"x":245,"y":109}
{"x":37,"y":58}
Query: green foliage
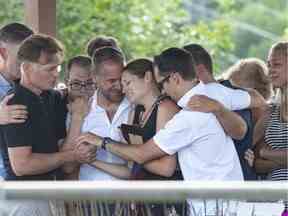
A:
{"x":216,"y":37}
{"x":143,"y":28}
{"x":11,"y":11}
{"x":285,"y":37}
{"x":226,"y":5}
{"x":256,"y":25}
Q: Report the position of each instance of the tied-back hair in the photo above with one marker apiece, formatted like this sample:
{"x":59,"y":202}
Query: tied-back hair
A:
{"x":139,"y":67}
{"x":100,"y":41}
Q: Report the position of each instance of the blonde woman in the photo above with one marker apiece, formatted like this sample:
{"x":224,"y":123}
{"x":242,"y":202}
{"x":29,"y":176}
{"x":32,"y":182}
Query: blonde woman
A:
{"x":271,"y":158}
{"x":251,"y":73}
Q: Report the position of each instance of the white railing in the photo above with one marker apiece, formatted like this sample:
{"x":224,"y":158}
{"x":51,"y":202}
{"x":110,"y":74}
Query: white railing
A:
{"x":145,"y":190}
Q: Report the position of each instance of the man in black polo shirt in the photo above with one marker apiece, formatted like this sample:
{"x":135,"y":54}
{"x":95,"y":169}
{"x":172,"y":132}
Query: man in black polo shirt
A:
{"x":31,"y":148}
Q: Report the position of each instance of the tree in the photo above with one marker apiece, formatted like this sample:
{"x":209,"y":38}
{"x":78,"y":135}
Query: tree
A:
{"x":11,"y":11}
{"x":256,"y":25}
{"x":143,"y":28}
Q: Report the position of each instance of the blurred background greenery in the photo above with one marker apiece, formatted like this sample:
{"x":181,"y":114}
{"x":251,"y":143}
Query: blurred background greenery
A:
{"x":229,"y":29}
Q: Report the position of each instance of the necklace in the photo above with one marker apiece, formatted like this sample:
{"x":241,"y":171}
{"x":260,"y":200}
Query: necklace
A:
{"x":144,"y":115}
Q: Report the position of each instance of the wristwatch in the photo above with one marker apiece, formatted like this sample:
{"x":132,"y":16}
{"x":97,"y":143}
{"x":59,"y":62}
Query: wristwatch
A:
{"x":105,"y":141}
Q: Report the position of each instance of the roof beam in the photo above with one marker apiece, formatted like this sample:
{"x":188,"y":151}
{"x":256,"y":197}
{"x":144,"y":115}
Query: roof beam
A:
{"x":40,"y":15}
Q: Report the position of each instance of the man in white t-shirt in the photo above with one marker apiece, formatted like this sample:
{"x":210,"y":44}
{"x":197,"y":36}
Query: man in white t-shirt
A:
{"x":242,"y":133}
{"x":221,"y":94}
{"x":204,"y":150}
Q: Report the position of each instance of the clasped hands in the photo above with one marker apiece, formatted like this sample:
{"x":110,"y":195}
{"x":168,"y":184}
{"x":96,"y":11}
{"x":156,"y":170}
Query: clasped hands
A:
{"x":86,"y":147}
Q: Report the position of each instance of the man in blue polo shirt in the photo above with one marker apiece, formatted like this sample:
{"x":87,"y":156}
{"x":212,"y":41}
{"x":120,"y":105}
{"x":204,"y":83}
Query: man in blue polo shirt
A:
{"x":11,"y":35}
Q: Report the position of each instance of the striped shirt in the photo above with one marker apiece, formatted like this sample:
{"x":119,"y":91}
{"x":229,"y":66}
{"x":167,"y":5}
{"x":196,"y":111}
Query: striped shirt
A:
{"x":276,"y":136}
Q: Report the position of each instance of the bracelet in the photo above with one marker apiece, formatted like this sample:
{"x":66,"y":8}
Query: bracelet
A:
{"x":105,"y":141}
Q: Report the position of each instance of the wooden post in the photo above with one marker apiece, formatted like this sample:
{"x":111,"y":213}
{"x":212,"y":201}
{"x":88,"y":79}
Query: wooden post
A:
{"x":40,"y":15}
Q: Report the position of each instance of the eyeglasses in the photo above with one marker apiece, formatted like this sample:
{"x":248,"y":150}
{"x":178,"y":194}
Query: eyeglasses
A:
{"x":161,"y":83}
{"x":88,"y":86}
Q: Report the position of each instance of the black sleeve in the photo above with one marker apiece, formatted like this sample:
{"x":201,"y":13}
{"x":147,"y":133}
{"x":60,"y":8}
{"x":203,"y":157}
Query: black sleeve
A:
{"x":20,"y":134}
{"x":60,"y":116}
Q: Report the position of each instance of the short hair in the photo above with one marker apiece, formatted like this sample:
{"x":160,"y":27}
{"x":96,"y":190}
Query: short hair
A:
{"x":80,"y":60}
{"x":32,"y":47}
{"x":281,"y":46}
{"x":98,"y":42}
{"x":200,"y":55}
{"x":15,"y":33}
{"x":254,"y":73}
{"x":139,"y":67}
{"x":106,"y":54}
{"x":176,"y":60}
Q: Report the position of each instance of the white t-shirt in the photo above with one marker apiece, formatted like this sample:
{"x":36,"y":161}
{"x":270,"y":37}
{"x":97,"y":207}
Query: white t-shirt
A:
{"x":204,"y":150}
{"x":97,"y":122}
{"x":232,"y":99}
